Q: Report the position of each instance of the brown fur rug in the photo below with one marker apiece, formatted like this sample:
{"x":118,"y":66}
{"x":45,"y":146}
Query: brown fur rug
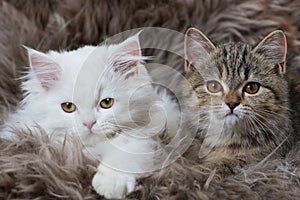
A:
{"x":35,"y":168}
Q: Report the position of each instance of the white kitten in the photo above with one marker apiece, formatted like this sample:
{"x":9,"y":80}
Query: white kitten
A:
{"x":103,"y":95}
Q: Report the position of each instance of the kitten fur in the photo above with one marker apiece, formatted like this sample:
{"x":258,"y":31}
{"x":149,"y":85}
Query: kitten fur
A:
{"x":120,"y":135}
{"x":71,"y":24}
{"x":237,"y":125}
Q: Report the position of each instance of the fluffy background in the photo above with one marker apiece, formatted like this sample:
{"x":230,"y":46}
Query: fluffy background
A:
{"x":36,"y":169}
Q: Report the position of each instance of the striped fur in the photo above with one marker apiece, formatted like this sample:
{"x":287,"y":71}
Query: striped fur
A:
{"x":260,"y":122}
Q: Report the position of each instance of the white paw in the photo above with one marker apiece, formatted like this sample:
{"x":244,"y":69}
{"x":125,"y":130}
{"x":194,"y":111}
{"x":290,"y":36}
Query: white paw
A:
{"x":112,"y":184}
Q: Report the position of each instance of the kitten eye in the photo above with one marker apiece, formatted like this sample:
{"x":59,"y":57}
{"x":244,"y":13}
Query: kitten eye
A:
{"x":214,"y":86}
{"x":68,"y":107}
{"x":106,"y":103}
{"x":251,"y":88}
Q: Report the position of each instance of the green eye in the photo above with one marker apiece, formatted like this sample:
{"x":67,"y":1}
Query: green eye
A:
{"x":68,"y":107}
{"x":251,"y":88}
{"x":106,"y":103}
{"x":214,"y":86}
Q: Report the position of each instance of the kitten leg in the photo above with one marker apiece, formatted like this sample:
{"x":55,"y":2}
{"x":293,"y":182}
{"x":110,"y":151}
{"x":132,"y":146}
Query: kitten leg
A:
{"x":112,"y":183}
{"x":124,"y":158}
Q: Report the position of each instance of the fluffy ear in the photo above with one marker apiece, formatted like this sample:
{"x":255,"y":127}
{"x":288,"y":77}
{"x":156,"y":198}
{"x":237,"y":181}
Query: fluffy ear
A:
{"x":274,"y":47}
{"x":127,"y":55}
{"x":197,"y":48}
{"x":46,"y":70}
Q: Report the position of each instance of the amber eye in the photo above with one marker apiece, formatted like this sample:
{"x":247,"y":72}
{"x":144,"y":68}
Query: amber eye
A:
{"x":251,"y":88}
{"x":214,"y":86}
{"x":106,"y":103}
{"x":68,"y":107}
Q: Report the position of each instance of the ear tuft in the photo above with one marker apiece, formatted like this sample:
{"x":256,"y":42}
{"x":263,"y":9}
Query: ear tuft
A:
{"x":197,"y":48}
{"x":127,"y":56}
{"x":46,"y":70}
{"x":274,"y":48}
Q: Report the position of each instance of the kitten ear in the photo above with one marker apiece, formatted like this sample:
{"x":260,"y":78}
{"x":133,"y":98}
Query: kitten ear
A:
{"x":274,"y":48}
{"x":197,"y":48}
{"x":128,"y":55}
{"x":46,"y":70}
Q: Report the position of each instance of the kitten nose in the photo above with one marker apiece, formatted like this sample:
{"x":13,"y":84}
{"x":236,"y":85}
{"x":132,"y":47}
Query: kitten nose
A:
{"x":232,"y":105}
{"x":89,"y":125}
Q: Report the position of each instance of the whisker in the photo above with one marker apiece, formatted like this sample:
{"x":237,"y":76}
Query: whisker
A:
{"x":272,"y":113}
{"x":267,"y":122}
{"x":266,"y":128}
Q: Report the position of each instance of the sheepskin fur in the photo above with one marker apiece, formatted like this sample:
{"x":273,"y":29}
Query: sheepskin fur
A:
{"x":35,"y":167}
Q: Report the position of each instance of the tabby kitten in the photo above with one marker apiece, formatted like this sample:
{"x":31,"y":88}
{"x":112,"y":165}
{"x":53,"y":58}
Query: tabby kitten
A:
{"x":242,"y":97}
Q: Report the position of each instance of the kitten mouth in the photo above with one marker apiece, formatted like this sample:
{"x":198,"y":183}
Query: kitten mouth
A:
{"x":231,"y":118}
{"x":231,"y":115}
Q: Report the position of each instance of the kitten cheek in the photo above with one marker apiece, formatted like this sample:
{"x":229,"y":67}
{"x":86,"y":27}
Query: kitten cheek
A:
{"x":104,"y":128}
{"x":217,"y":113}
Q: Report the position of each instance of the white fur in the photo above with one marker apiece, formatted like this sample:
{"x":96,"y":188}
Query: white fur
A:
{"x":86,"y":76}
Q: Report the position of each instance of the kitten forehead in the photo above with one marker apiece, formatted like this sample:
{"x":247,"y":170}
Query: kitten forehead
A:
{"x":234,"y":57}
{"x":74,"y":57}
{"x":233,"y":67}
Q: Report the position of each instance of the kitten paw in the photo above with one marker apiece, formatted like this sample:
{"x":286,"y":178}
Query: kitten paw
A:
{"x":112,"y":184}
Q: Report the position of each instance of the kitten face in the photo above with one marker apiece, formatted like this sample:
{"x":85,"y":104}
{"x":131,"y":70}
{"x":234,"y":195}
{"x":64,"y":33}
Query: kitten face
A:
{"x":89,"y":91}
{"x":241,"y":90}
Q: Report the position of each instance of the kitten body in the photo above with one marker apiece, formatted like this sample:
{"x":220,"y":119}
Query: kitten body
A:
{"x":242,"y":96}
{"x":102,"y":95}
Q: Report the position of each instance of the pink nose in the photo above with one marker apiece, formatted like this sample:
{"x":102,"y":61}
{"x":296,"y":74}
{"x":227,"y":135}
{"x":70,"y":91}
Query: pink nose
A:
{"x":89,"y":125}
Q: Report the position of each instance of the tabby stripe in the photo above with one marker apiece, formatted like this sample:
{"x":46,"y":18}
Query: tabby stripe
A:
{"x":273,"y":91}
{"x":239,"y":64}
{"x":247,"y":73}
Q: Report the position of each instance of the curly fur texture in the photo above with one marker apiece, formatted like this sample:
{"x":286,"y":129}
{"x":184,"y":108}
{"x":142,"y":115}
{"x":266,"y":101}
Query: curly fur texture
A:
{"x":277,"y":178}
{"x":37,"y":168}
{"x":34,"y":167}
